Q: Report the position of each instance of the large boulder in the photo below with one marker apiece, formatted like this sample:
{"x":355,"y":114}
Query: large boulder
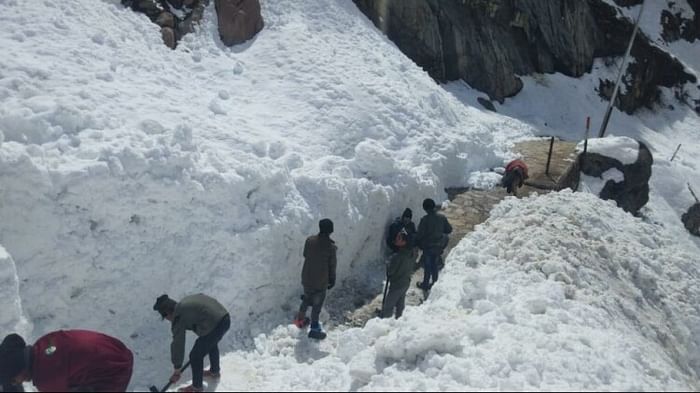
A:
{"x":617,"y":168}
{"x":239,"y":20}
{"x":691,"y":219}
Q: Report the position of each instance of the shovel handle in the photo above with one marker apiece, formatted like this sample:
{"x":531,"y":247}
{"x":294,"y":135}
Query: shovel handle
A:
{"x":167,"y":386}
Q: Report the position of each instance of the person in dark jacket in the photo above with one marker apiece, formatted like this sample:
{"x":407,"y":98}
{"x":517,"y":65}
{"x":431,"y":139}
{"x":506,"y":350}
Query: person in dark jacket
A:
{"x":317,"y":276}
{"x":403,"y":222}
{"x":209,"y":320}
{"x":432,"y":230}
{"x":67,"y":360}
{"x":399,"y":272}
{"x":514,"y":176}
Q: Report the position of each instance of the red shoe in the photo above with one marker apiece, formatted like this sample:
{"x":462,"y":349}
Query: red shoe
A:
{"x":190,"y":388}
{"x":211,"y":375}
{"x":302,"y":323}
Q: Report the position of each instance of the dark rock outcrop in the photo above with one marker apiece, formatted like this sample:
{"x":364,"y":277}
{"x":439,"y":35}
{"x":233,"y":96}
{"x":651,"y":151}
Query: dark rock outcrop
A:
{"x":173,"y":28}
{"x":632,"y":193}
{"x":239,"y":20}
{"x":488,"y":43}
{"x":691,"y":219}
{"x":676,"y":27}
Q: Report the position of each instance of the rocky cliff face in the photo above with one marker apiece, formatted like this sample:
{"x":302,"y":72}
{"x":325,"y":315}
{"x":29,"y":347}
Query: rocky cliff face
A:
{"x":488,"y":43}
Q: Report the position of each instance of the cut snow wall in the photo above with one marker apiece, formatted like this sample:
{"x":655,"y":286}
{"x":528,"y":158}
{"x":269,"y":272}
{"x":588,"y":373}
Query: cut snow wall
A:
{"x":12,"y":319}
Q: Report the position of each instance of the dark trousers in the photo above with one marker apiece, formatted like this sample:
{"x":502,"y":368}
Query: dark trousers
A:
{"x":430,"y":266}
{"x":395,"y":299}
{"x":313,"y":298}
{"x":208,"y":345}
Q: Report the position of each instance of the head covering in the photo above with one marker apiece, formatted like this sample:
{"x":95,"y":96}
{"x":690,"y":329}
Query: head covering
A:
{"x":428,"y":205}
{"x":325,"y":226}
{"x":12,"y":361}
{"x":164,"y":305}
{"x":408,"y":213}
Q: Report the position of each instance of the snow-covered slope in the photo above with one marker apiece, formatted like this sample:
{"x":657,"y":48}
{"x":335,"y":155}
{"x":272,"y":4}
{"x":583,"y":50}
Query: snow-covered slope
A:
{"x":558,"y":292}
{"x":129,"y":170}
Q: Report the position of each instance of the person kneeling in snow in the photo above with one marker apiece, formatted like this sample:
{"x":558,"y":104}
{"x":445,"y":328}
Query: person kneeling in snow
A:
{"x":317,"y":276}
{"x":515,"y":176}
{"x":209,"y":320}
{"x":67,"y":360}
{"x":399,"y":274}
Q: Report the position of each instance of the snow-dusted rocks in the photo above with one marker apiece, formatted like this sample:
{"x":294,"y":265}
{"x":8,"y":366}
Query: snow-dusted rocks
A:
{"x":617,"y":168}
{"x":239,"y":20}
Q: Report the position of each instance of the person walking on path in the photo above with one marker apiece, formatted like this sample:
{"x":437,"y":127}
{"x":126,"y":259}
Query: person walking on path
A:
{"x":209,"y":320}
{"x":432,"y":229}
{"x":317,"y":276}
{"x":66,"y":361}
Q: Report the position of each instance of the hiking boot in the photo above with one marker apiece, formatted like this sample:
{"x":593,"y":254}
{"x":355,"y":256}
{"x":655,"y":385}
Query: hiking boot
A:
{"x":316,"y":331}
{"x":190,"y":388}
{"x":421,"y":286}
{"x":211,"y":375}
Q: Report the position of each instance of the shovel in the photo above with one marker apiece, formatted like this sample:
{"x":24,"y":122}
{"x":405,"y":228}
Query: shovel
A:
{"x":154,"y":389}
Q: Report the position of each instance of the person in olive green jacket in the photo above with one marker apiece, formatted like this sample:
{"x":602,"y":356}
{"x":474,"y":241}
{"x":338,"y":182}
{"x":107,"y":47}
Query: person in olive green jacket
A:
{"x":317,"y":276}
{"x":209,"y":320}
{"x":399,"y":274}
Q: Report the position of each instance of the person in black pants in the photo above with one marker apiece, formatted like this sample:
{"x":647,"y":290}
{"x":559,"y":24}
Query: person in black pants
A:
{"x":209,"y":320}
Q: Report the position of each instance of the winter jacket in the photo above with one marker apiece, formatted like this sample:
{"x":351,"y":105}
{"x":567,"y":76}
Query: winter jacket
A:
{"x":518,"y":165}
{"x":395,"y":228}
{"x":80,"y":360}
{"x":432,"y":232}
{"x":198,"y":313}
{"x":400,"y":268}
{"x":319,"y":262}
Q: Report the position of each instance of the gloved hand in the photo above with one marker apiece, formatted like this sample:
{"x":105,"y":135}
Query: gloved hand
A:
{"x":176,"y":376}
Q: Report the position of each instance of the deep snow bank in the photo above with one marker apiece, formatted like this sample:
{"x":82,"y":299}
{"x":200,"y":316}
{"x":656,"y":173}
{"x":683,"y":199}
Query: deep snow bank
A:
{"x":129,"y":170}
{"x":12,"y":318}
{"x":558,"y":292}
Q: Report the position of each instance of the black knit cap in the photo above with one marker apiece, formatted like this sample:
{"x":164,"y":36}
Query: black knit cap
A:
{"x":164,"y":305}
{"x":428,"y":205}
{"x":11,"y":358}
{"x":325,"y":226}
{"x":408,"y":213}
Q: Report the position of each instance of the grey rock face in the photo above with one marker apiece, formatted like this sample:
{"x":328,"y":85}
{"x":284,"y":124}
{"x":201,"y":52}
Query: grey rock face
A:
{"x":488,"y":43}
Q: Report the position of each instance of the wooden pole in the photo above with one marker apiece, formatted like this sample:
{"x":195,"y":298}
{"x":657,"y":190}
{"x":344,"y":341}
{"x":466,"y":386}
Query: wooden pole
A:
{"x":692,"y":193}
{"x":549,"y":156}
{"x":585,"y":141}
{"x":675,"y":152}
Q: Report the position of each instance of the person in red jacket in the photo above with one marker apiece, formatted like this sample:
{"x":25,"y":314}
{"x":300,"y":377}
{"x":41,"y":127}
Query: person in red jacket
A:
{"x":67,"y":360}
{"x":515,"y":176}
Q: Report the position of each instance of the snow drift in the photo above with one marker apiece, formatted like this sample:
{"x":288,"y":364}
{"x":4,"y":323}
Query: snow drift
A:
{"x":588,"y":297}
